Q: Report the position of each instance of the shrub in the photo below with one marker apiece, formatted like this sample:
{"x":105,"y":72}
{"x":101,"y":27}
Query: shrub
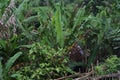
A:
{"x":47,"y":63}
{"x":111,"y":65}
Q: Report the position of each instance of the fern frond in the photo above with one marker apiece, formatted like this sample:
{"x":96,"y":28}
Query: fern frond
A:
{"x":10,"y":62}
{"x":59,"y":27}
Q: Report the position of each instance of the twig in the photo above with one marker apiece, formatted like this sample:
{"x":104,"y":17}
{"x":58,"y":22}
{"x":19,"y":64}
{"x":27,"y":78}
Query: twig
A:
{"x":119,"y":75}
{"x":86,"y":75}
{"x":75,"y":75}
{"x":70,"y":76}
{"x":108,"y":75}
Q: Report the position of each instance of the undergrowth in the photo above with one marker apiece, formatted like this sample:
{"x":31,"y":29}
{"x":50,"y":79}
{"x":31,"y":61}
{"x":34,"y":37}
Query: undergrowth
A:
{"x":44,"y":30}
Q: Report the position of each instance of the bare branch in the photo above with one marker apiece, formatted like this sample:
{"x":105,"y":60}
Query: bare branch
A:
{"x":76,"y":75}
{"x":108,"y":75}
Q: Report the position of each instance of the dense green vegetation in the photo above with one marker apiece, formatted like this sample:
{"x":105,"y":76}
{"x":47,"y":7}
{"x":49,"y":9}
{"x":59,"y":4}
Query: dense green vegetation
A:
{"x":37,"y":36}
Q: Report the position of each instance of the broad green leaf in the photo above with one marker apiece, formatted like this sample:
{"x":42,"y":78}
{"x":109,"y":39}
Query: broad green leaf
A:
{"x":59,"y":27}
{"x":22,"y":6}
{"x":11,"y":61}
{"x":30,"y":19}
{"x":79,"y":17}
